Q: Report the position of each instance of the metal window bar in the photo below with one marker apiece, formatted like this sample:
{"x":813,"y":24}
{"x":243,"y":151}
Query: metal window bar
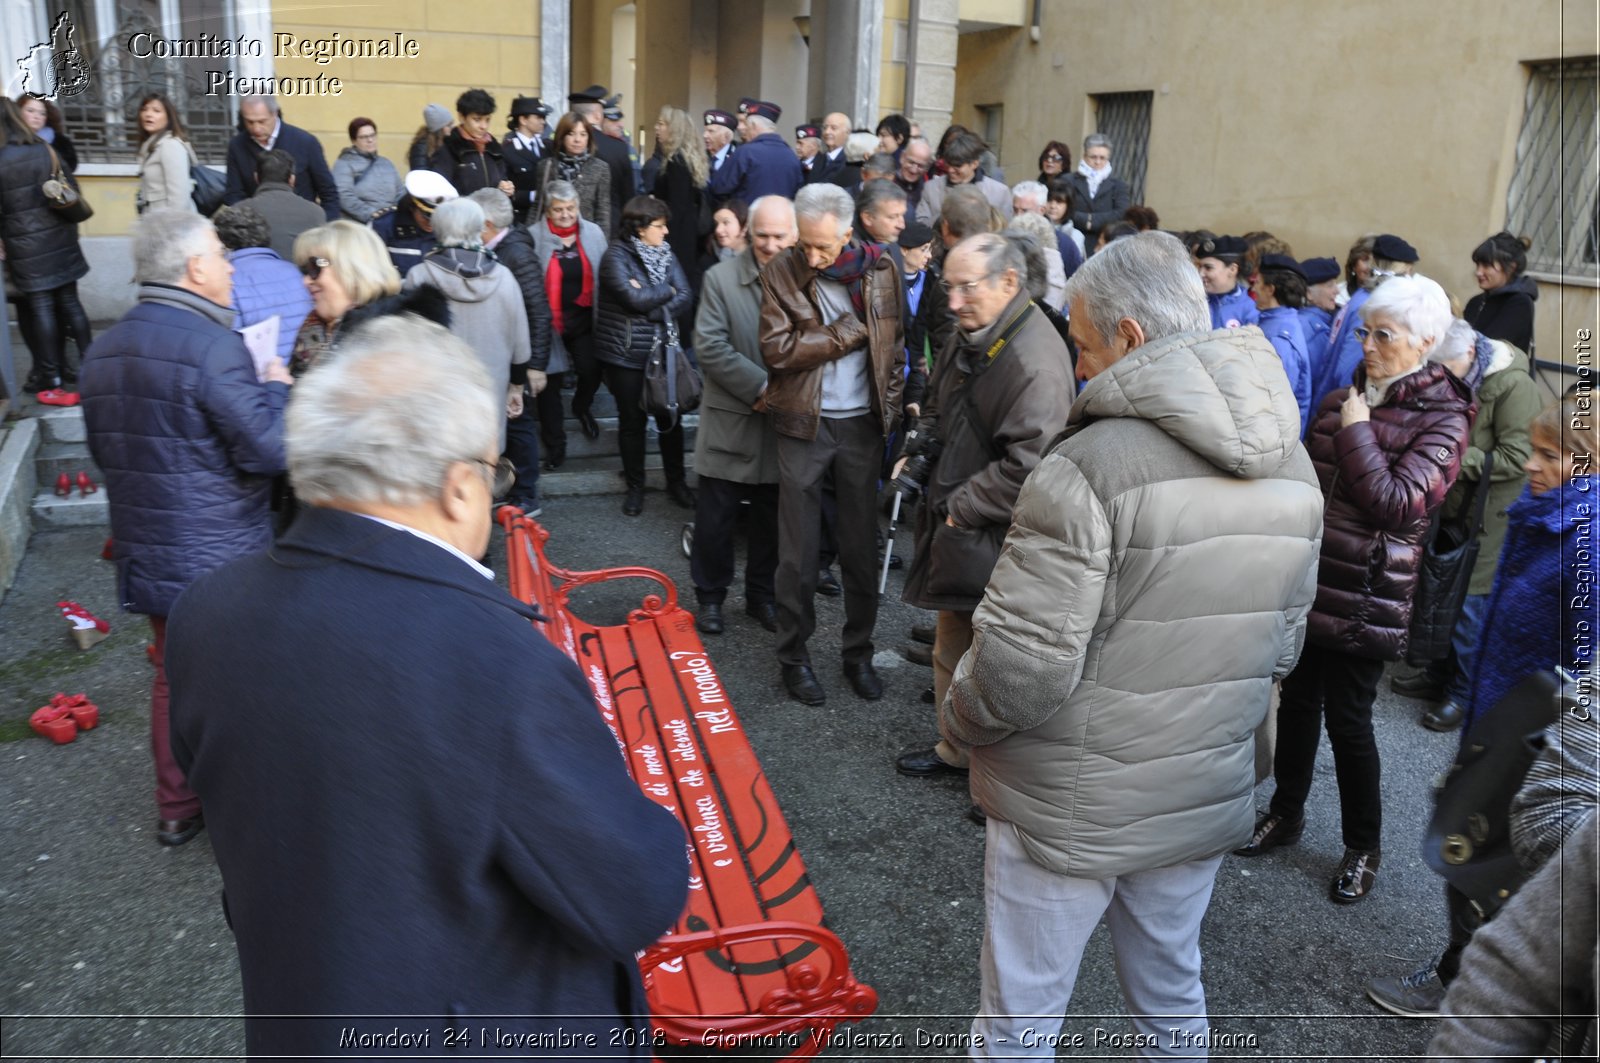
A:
{"x":1554,"y":195}
{"x":1125,"y":118}
{"x":103,"y":119}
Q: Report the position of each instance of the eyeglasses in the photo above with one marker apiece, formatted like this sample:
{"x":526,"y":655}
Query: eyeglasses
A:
{"x":1382,"y":335}
{"x":505,"y":474}
{"x":1052,"y":157}
{"x":912,"y":164}
{"x":314,"y":267}
{"x":967,"y":290}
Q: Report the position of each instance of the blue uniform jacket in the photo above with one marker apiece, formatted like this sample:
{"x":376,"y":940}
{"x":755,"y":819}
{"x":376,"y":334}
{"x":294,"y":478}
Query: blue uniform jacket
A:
{"x":1282,"y":327}
{"x":1317,"y":325}
{"x":1233,"y":310}
{"x":765,"y":166}
{"x":1338,"y":365}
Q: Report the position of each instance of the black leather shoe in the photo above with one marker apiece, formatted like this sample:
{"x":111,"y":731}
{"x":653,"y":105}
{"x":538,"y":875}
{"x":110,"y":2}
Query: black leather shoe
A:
{"x":37,"y":382}
{"x":552,"y":462}
{"x":1444,"y":718}
{"x":633,"y":502}
{"x":177,"y":831}
{"x":864,"y":680}
{"x":917,"y":653}
{"x":710,"y":619}
{"x":763,"y":613}
{"x":801,"y":683}
{"x":681,"y":493}
{"x":1421,"y":685}
{"x":920,"y":763}
{"x":586,"y":421}
{"x":922,"y":633}
{"x":975,"y":814}
{"x":1271,"y":832}
{"x":1358,"y":871}
{"x":927,"y":696}
{"x":828,"y":584}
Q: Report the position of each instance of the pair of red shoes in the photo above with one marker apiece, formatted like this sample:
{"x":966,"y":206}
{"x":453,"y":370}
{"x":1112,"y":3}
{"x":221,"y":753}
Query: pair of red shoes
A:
{"x":66,"y":715}
{"x":86,"y":486}
{"x":58,"y":397}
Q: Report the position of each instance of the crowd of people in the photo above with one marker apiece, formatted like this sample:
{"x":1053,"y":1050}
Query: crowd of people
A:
{"x":1164,"y":482}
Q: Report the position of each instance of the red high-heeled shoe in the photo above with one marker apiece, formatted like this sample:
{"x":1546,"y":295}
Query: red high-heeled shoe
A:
{"x":87,"y":629}
{"x":63,"y":485}
{"x":86,"y":486}
{"x":84,"y":713}
{"x":55,"y":723}
{"x":58,"y":397}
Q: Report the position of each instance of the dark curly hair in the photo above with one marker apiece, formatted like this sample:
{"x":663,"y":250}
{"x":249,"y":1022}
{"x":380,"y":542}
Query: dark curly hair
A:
{"x":475,"y":101}
{"x":241,"y":226}
{"x":640,"y":211}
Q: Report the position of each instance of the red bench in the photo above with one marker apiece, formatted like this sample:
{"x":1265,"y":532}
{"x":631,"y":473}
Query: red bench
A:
{"x":750,"y":962}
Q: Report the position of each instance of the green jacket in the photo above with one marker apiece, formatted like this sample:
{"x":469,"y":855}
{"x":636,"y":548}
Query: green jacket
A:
{"x":733,"y":441}
{"x":1508,"y":401}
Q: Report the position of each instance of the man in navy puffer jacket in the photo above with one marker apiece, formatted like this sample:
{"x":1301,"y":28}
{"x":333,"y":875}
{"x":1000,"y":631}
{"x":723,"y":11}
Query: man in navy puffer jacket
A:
{"x":188,"y":439}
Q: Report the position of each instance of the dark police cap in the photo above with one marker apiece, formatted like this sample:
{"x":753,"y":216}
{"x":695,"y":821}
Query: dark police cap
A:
{"x":592,"y":94}
{"x":1391,"y":247}
{"x":1283,"y":262}
{"x":721,"y":118}
{"x":1318,"y":270}
{"x":529,"y":105}
{"x":801,"y":132}
{"x":763,"y":109}
{"x":612,"y":107}
{"x":1221,"y":247}
{"x":915,"y":234}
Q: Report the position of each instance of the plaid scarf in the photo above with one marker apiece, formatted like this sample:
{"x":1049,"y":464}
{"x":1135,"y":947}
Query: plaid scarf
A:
{"x":848,"y":269}
{"x":568,"y":166}
{"x":657,"y":261}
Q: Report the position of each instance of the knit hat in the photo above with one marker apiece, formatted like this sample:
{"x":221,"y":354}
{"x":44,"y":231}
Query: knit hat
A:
{"x":1391,"y":247}
{"x":436,"y":117}
{"x":1318,"y":270}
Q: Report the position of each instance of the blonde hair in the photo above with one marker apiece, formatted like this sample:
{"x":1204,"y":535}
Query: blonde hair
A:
{"x":356,"y":256}
{"x":1572,"y":420}
{"x":686,"y":145}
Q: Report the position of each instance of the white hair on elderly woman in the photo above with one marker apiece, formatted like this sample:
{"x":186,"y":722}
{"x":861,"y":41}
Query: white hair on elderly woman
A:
{"x":163,"y":243}
{"x":384,"y":418}
{"x":1415,"y":303}
{"x":858,"y":146}
{"x":560,"y":192}
{"x":1457,"y":347}
{"x":458,"y":223}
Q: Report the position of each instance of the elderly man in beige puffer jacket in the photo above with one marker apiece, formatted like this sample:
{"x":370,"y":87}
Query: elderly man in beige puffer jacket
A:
{"x":1154,"y":583}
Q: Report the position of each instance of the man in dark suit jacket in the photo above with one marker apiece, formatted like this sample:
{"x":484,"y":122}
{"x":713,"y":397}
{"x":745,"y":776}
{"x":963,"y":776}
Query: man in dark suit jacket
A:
{"x":830,"y":161}
{"x":613,"y":152}
{"x":414,"y":803}
{"x":263,"y":130}
{"x":523,"y":147}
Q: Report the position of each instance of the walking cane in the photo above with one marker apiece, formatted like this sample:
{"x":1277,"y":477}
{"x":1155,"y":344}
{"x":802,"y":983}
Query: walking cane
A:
{"x":888,"y":540}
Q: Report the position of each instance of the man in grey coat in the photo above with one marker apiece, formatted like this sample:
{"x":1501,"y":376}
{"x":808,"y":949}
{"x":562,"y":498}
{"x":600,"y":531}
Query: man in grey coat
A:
{"x":735,"y":449}
{"x":1155,"y":582}
{"x":287,"y":214}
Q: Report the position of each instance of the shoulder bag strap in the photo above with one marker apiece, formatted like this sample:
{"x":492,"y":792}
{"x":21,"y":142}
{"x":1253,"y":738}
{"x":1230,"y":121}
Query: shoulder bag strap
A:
{"x":1480,"y":496}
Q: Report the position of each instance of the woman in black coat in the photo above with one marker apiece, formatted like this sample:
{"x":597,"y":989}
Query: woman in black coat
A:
{"x":41,"y":252}
{"x":643,"y":290}
{"x":681,"y":184}
{"x":1503,"y":310}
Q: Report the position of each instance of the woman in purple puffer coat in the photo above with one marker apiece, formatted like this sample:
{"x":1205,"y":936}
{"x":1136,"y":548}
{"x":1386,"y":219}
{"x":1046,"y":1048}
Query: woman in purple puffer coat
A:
{"x":1386,"y":451}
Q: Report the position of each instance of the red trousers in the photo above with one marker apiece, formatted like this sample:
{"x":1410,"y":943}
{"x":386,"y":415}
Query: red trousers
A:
{"x":174,"y":799}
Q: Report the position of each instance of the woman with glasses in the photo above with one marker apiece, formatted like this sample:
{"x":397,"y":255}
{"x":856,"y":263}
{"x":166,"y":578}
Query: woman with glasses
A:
{"x":1386,"y":451}
{"x":643,"y":290}
{"x":1054,"y":161}
{"x":574,"y":161}
{"x":369,"y":185}
{"x":41,"y":255}
{"x":1101,"y":197}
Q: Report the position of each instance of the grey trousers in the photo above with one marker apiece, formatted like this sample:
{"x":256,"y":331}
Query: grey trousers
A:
{"x":853,"y":449}
{"x":1036,"y":926}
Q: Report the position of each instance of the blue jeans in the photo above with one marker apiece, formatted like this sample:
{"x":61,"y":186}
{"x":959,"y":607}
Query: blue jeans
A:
{"x":1464,"y":647}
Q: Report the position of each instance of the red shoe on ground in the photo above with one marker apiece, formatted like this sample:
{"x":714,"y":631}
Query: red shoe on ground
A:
{"x":63,"y":485}
{"x":58,"y":397}
{"x":55,"y":723}
{"x":84,"y":713}
{"x":86,"y":486}
{"x":87,"y":629}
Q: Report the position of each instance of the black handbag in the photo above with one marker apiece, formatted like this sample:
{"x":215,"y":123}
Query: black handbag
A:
{"x":209,"y":185}
{"x":1468,"y":841}
{"x":1448,"y":555}
{"x":62,"y":195}
{"x":672,"y":385}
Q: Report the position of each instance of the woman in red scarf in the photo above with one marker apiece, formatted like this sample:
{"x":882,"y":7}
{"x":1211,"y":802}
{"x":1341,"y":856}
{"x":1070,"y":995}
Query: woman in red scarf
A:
{"x":570,"y":247}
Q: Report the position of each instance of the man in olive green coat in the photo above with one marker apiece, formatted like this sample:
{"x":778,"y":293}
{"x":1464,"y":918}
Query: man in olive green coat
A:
{"x":735,"y":449}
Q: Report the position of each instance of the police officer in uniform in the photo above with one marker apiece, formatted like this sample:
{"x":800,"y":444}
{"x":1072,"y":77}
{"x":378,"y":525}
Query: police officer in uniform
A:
{"x":524,"y":146}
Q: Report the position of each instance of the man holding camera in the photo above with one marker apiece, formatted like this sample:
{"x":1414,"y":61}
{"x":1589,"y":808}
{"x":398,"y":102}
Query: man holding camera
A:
{"x":999,"y":394}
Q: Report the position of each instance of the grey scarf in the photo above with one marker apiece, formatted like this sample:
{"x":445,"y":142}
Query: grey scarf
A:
{"x":183,"y":299}
{"x":657,"y":262}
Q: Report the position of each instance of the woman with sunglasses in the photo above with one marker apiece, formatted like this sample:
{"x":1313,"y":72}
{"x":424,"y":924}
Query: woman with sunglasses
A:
{"x":1054,"y":161}
{"x":1386,"y":452}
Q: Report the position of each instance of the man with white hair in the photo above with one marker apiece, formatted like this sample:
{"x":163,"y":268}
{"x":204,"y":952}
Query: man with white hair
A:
{"x":763,"y":166}
{"x":835,"y":378}
{"x":830,"y":162}
{"x":1154,"y":583}
{"x":189,"y":439}
{"x":410,"y":817}
{"x":265,"y":130}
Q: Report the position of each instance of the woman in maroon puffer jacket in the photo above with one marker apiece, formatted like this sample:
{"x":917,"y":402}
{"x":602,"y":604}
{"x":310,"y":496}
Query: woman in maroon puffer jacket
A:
{"x":1386,"y":451}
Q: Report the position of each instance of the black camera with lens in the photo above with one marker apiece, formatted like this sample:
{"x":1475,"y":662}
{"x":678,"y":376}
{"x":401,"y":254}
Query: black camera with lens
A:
{"x":922,"y":450}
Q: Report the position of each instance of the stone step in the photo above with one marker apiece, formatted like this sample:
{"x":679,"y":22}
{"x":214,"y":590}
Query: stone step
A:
{"x":19,"y":442}
{"x":53,"y":459}
{"x":74,"y":511}
{"x":63,"y":424}
{"x":608,"y":443}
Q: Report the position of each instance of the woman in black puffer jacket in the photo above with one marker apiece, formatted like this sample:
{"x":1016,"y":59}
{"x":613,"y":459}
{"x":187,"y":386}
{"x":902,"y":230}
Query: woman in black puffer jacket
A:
{"x":643,"y":290}
{"x":41,"y":252}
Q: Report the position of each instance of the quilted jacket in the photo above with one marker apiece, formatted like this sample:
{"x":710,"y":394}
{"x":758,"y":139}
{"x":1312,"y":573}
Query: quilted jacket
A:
{"x":42,"y":251}
{"x":1153,"y":585}
{"x":1382,"y":480}
{"x":188,"y":440}
{"x":628,"y":318}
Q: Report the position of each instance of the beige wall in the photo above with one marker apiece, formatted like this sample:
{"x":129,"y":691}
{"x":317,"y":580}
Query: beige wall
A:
{"x":1319,"y":122}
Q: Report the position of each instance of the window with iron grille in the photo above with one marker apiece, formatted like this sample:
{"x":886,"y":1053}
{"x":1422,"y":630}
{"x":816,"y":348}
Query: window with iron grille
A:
{"x":1124,"y":117}
{"x":1553,"y":195}
{"x":993,"y":116}
{"x":102,"y":118}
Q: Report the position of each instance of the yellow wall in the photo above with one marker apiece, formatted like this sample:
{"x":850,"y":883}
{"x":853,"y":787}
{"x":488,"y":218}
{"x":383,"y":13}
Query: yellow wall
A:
{"x":1320,"y":122}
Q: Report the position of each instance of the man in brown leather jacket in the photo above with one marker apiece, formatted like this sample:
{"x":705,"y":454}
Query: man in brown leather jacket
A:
{"x":831,"y":336}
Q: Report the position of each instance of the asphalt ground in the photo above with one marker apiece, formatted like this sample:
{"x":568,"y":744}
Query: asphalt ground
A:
{"x":114,"y":947}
